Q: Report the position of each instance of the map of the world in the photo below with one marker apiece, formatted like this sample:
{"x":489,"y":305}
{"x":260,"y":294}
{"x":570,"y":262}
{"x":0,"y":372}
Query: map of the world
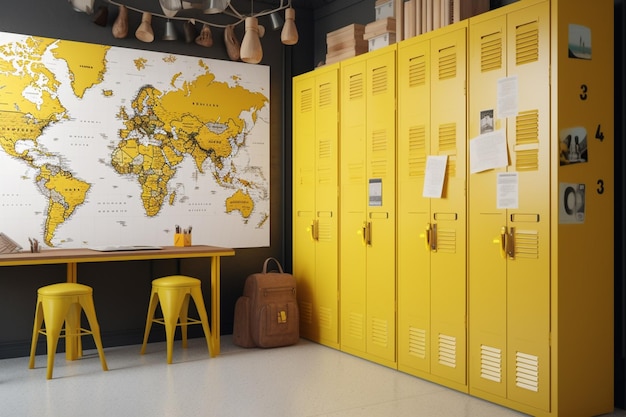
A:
{"x":103,"y":145}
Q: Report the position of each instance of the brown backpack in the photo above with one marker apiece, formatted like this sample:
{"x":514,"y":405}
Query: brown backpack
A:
{"x":266,"y":315}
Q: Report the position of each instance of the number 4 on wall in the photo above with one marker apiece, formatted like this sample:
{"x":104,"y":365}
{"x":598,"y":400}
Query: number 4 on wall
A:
{"x":599,"y":133}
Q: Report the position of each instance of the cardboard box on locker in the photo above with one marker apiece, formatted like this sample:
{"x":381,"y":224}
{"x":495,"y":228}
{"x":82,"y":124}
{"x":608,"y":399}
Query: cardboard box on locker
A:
{"x":384,"y":8}
{"x":380,"y":41}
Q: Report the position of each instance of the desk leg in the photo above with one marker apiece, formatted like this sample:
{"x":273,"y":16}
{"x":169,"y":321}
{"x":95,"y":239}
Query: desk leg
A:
{"x":215,"y":306}
{"x":73,"y":347}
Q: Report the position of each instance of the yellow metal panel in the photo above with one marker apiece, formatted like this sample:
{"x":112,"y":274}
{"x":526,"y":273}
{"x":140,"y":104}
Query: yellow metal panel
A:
{"x":448,"y":213}
{"x":487,"y":260}
{"x":304,"y":198}
{"x":528,"y":278}
{"x":327,"y":205}
{"x":353,"y":199}
{"x":381,"y":153}
{"x":413,"y":210}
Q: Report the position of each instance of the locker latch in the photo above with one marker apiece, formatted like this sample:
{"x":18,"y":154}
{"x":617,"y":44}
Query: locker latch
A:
{"x":431,"y":237}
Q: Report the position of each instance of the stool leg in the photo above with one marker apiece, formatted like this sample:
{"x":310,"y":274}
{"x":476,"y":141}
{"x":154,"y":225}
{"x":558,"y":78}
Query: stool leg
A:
{"x":184,"y":312}
{"x":54,"y":313}
{"x":36,"y":326}
{"x":171,"y":303}
{"x":196,"y":294}
{"x":154,"y":300}
{"x":73,"y":343}
{"x":86,"y":301}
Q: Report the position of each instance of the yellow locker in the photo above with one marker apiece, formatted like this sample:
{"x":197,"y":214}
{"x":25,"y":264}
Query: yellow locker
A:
{"x":432,"y":309}
{"x":520,"y":59}
{"x":367,"y":247}
{"x":315,"y":250}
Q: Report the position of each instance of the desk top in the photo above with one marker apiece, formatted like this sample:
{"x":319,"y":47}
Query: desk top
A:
{"x":61,"y":256}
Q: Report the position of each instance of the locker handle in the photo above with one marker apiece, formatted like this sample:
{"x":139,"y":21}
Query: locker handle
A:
{"x":503,"y":242}
{"x":312,"y":229}
{"x":367,"y":233}
{"x":510,"y":243}
{"x":427,"y":236}
{"x":433,"y":237}
{"x":315,"y":230}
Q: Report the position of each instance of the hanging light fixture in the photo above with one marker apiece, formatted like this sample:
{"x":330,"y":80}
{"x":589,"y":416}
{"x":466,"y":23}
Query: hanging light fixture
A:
{"x":214,"y":6}
{"x":144,"y":32}
{"x":289,"y":35}
{"x":251,"y":51}
{"x":170,"y":7}
{"x":120,"y":26}
{"x":170,"y":31}
{"x":277,"y":21}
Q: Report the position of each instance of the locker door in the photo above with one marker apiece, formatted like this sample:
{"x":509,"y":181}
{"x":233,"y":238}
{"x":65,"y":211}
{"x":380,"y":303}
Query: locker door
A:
{"x":304,"y":198}
{"x":528,"y":281}
{"x":353,"y":204}
{"x":487,"y":257}
{"x":413,"y":209}
{"x":326,"y":197}
{"x":381,"y":200}
{"x":448,"y":213}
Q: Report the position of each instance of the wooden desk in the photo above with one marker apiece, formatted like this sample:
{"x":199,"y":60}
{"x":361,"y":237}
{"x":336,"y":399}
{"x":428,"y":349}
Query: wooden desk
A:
{"x":72,"y":257}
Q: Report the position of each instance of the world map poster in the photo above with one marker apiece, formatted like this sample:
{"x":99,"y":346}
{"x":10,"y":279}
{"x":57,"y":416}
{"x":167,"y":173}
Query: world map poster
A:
{"x":104,"y":145}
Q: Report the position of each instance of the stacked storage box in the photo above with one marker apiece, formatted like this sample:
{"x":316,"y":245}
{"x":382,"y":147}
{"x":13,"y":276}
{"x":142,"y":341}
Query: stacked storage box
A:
{"x":381,"y":32}
{"x":345,"y":43}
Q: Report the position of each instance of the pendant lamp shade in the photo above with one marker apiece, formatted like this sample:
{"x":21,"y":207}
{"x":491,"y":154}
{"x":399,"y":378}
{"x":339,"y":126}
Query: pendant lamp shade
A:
{"x":144,"y":32}
{"x":120,"y":26}
{"x":170,"y":7}
{"x":170,"y":31}
{"x":251,"y":51}
{"x":205,"y":38}
{"x":277,"y":21}
{"x":214,"y":6}
{"x":289,"y":35}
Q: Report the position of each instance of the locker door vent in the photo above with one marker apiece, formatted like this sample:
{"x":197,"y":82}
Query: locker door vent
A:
{"x":417,"y":71}
{"x":447,"y":137}
{"x":325,"y":95}
{"x":306,"y":312}
{"x":527,"y":141}
{"x":491,"y":52}
{"x":380,"y":332}
{"x":446,"y":240}
{"x":447,"y":350}
{"x":356,"y":89}
{"x":380,"y":78}
{"x":355,"y":324}
{"x":324,"y":170}
{"x":378,"y":163}
{"x":527,"y":371}
{"x":417,"y":342}
{"x":306,"y":100}
{"x":447,"y":63}
{"x":356,"y":173}
{"x":326,"y":316}
{"x":417,"y":151}
{"x":526,"y":244}
{"x":325,"y":230}
{"x":491,"y":363}
{"x":527,"y":43}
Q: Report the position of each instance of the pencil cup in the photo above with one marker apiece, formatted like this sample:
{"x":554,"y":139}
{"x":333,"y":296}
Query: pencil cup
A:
{"x":182,"y":239}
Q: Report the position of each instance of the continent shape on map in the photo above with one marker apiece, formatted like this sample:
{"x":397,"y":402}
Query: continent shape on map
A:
{"x":31,"y":104}
{"x":203,"y":119}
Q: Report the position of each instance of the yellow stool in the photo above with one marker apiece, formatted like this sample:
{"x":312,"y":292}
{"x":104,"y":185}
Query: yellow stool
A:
{"x":173,"y":293}
{"x":58,"y":303}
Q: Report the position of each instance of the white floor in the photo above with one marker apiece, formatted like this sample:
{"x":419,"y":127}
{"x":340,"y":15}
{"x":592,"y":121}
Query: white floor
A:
{"x":304,"y":380}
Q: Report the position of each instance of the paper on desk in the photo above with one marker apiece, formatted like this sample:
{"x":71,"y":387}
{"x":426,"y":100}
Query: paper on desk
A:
{"x":435,"y":176}
{"x":488,"y":151}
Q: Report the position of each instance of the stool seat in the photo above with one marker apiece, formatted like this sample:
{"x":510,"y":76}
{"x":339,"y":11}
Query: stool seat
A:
{"x":59,"y":304}
{"x":172,"y":293}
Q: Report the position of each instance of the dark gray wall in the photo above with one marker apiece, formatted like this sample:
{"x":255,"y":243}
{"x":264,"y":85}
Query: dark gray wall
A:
{"x":121,"y":289}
